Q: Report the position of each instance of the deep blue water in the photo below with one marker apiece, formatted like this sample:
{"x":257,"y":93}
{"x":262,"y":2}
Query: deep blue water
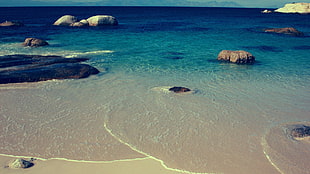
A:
{"x":168,"y":46}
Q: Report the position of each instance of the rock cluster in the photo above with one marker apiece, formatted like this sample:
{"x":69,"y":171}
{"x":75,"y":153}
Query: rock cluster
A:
{"x":99,"y":20}
{"x":295,"y":8}
{"x":33,"y":68}
{"x":239,"y":57}
{"x":289,"y":30}
{"x":34,"y":42}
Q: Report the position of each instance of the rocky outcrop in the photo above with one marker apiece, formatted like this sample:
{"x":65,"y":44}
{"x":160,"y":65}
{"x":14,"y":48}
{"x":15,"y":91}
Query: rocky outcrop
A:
{"x":289,"y":30}
{"x":239,"y":57}
{"x":33,"y":68}
{"x":11,"y":24}
{"x":34,"y":42}
{"x":101,"y":20}
{"x":295,"y":8}
{"x":177,"y":89}
{"x":66,"y":20}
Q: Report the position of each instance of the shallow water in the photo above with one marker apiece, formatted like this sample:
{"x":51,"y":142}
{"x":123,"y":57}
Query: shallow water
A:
{"x":232,"y":123}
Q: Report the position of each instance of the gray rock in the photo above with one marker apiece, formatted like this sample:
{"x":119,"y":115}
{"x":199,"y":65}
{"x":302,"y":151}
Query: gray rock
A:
{"x":66,"y":20}
{"x":239,"y":57}
{"x":34,"y":42}
{"x":101,"y":20}
{"x":34,"y":68}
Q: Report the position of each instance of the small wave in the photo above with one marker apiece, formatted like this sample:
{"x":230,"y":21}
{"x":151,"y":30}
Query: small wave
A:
{"x":89,"y":52}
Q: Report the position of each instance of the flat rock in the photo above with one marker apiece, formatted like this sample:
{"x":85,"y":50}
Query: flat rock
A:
{"x":239,"y":57}
{"x":288,"y":30}
{"x":33,"y":68}
{"x":11,"y":24}
{"x":34,"y":42}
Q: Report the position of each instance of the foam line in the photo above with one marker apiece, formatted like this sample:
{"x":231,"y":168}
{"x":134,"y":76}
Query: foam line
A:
{"x":149,"y":156}
{"x":264,"y":145}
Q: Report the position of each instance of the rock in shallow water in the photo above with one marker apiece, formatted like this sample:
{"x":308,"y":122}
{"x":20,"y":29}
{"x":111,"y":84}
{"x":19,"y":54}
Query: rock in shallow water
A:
{"x":300,"y":131}
{"x":179,"y":89}
{"x":34,"y":42}
{"x":239,"y":57}
{"x":33,"y":68}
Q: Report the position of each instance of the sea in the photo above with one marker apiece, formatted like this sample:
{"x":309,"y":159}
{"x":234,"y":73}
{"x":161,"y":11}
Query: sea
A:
{"x":236,"y":119}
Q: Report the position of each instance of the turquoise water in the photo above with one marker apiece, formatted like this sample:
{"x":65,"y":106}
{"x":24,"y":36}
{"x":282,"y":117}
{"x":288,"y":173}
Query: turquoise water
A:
{"x":225,"y":126}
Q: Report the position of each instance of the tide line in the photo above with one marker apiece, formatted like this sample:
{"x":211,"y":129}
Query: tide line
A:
{"x":80,"y":161}
{"x":149,"y":156}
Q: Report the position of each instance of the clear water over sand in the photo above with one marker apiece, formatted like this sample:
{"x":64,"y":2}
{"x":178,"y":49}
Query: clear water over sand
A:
{"x":236,"y":121}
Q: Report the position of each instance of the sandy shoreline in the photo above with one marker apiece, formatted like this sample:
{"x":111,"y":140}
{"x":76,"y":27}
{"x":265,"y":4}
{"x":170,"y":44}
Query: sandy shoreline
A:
{"x":52,"y":166}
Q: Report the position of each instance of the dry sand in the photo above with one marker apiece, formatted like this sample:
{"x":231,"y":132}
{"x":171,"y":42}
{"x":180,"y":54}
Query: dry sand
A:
{"x":134,"y":166}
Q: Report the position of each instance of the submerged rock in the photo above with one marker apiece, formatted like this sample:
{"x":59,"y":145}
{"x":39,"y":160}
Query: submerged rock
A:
{"x":179,"y":89}
{"x":34,"y":42}
{"x":289,"y":30}
{"x":66,"y":20}
{"x":33,"y":68}
{"x":300,"y":131}
{"x":21,"y":164}
{"x":101,"y":20}
{"x":295,"y":8}
{"x":11,"y":24}
{"x":239,"y":57}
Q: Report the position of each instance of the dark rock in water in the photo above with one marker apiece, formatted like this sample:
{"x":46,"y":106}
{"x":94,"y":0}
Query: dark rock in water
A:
{"x":34,"y":42}
{"x":173,"y":55}
{"x":179,"y":89}
{"x":239,"y":57}
{"x":300,"y":131}
{"x":21,"y":164}
{"x":11,"y":24}
{"x":33,"y":68}
{"x":289,"y":30}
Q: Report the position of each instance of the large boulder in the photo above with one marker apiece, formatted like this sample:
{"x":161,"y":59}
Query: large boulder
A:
{"x":34,"y":42}
{"x":81,"y":23}
{"x":289,"y":30}
{"x":66,"y":20}
{"x":33,"y":68}
{"x":11,"y":24}
{"x":295,"y":8}
{"x":239,"y":57}
{"x":101,"y":20}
